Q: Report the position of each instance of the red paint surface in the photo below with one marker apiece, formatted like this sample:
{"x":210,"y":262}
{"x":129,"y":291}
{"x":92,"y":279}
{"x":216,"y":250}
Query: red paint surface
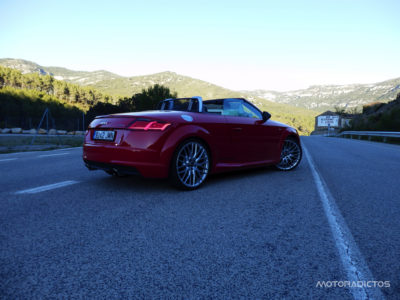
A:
{"x":233,"y":142}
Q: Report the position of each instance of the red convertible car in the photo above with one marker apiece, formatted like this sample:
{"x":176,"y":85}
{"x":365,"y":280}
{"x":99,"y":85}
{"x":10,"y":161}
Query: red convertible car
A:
{"x":188,"y":138}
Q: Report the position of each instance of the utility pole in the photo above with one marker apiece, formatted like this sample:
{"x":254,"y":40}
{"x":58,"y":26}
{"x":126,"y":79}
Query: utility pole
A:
{"x":45,"y":114}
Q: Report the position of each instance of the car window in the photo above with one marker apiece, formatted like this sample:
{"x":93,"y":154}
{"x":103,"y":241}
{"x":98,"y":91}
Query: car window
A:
{"x":183,"y":104}
{"x":252,"y":111}
{"x":233,"y":107}
{"x":239,"y":108}
{"x":214,"y":106}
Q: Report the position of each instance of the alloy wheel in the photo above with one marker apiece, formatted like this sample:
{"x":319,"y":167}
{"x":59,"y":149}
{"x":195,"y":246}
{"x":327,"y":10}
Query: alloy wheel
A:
{"x":290,"y":155}
{"x":192,"y":164}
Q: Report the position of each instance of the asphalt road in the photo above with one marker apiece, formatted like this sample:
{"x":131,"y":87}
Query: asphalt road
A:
{"x":254,"y":234}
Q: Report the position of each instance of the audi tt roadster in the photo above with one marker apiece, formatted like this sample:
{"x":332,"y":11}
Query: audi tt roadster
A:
{"x":188,"y":138}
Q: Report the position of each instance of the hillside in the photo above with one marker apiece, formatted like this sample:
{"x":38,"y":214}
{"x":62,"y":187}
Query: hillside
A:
{"x":118,"y":86}
{"x":75,"y":77}
{"x":316,"y":98}
{"x":326,"y":97}
{"x":378,"y":116}
{"x":184,"y":85}
{"x":82,"y":97}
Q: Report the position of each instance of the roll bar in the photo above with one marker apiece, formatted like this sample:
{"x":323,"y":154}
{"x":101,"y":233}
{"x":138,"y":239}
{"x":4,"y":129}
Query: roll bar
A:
{"x":168,"y":104}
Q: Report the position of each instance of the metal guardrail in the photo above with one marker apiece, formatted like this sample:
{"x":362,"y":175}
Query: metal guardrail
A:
{"x":382,"y":134}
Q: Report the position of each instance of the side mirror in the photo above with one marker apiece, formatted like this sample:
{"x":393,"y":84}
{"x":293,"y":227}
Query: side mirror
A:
{"x":266,"y":116}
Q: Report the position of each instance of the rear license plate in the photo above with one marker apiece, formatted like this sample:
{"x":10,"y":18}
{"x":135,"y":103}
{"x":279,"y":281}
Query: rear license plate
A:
{"x":104,"y":135}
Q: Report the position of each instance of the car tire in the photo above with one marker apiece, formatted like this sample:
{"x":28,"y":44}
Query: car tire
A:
{"x":190,"y":165}
{"x":291,"y":155}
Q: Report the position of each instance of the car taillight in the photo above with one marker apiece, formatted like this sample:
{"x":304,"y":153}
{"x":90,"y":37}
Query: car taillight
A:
{"x":149,"y":125}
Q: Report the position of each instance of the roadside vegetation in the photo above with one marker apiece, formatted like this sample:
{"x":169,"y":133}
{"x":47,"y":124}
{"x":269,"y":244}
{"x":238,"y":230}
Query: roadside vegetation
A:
{"x":378,"y":116}
{"x":24,"y":108}
{"x":82,"y":97}
{"x":148,"y":99}
{"x":19,"y":143}
{"x":24,"y":98}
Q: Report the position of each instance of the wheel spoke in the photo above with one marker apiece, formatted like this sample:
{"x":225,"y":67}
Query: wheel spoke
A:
{"x":192,"y":150}
{"x":193,"y":177}
{"x":187,"y":177}
{"x":199,"y":155}
{"x":195,"y":151}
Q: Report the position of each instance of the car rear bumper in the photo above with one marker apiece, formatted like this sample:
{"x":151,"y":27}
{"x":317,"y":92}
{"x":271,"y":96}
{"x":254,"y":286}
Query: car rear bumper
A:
{"x":126,"y":160}
{"x":111,"y":168}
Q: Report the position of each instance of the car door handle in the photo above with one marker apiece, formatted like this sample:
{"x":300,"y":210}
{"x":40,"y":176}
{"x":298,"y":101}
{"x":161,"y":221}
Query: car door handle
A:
{"x":237,"y":128}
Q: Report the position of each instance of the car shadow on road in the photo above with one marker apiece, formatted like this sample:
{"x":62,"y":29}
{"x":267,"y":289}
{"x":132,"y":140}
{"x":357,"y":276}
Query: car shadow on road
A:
{"x":140,"y":184}
{"x":240,"y":174}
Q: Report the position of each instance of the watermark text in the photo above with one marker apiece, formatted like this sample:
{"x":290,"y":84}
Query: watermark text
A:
{"x":352,"y":284}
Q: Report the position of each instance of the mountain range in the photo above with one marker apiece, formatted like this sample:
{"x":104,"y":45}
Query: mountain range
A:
{"x":123,"y":86}
{"x":315,"y":98}
{"x":327,"y":97}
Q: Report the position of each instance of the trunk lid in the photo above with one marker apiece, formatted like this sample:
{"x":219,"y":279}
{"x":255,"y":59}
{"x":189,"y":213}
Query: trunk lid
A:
{"x":114,"y":122}
{"x":123,"y":120}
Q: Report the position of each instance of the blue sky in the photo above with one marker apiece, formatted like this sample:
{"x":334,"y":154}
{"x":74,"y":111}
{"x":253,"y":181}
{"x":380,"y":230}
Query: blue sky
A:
{"x":278,"y":45}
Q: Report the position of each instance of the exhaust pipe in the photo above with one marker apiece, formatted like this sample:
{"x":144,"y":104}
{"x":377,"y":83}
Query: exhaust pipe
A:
{"x":90,"y":168}
{"x":116,"y":172}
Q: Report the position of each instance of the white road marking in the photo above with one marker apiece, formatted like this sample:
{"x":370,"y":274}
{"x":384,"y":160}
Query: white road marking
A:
{"x":353,"y":262}
{"x":47,"y":187}
{"x":7,"y":159}
{"x":64,"y":149}
{"x":57,"y":154}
